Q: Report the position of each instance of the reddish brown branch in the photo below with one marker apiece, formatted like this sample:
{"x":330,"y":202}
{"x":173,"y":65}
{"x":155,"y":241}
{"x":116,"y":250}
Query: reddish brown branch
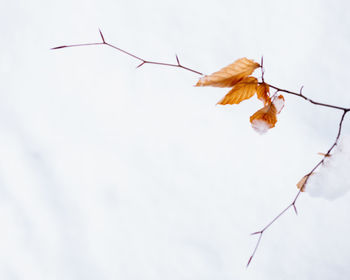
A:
{"x":262,"y":69}
{"x":299,"y":94}
{"x":307,"y":176}
{"x":143,"y":61}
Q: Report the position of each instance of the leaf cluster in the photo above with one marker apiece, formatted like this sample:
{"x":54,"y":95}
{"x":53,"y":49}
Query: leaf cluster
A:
{"x":237,"y":76}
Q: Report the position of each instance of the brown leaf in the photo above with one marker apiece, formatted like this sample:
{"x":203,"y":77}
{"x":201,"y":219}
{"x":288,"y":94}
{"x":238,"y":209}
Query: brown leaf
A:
{"x":302,"y":183}
{"x":263,"y":93}
{"x":243,"y":90}
{"x":324,"y":155}
{"x":264,"y":118}
{"x":230,"y":75}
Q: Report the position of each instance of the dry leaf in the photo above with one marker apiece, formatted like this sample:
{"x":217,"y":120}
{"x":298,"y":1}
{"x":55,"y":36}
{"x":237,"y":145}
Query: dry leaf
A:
{"x":323,"y":154}
{"x":264,"y":119}
{"x":230,"y":75}
{"x":243,"y":90}
{"x":263,"y":93}
{"x":302,"y":183}
{"x":279,"y":103}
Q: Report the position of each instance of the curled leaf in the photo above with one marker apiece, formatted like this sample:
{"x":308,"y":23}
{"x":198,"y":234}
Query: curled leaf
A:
{"x":230,"y":75}
{"x":263,"y":93}
{"x":264,"y":118}
{"x":243,"y":90}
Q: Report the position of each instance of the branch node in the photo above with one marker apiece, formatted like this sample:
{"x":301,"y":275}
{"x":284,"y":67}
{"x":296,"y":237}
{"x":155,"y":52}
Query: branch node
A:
{"x":143,"y":62}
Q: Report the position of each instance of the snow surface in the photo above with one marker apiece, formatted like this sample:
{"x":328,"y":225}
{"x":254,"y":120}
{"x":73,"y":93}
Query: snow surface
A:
{"x":260,"y":126}
{"x":111,"y":172}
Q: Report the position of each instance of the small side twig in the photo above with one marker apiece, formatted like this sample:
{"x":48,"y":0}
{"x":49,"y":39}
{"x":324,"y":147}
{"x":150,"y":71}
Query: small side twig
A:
{"x":262,"y":69}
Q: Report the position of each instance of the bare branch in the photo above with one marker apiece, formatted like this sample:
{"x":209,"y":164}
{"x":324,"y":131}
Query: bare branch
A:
{"x":300,"y":94}
{"x":292,"y":204}
{"x":144,"y":61}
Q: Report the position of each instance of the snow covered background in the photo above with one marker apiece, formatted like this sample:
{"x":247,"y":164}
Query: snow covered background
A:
{"x":108,"y":172}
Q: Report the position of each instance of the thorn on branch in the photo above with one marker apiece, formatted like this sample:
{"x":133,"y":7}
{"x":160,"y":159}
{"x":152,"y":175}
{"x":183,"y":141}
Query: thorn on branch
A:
{"x":103,"y":39}
{"x":177,"y":59}
{"x":295,"y":209}
{"x":143,"y":62}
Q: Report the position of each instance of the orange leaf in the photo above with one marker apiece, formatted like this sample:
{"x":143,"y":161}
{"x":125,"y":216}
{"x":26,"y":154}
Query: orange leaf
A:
{"x":264,"y":118}
{"x":263,"y":93}
{"x":230,"y":75}
{"x":243,"y":90}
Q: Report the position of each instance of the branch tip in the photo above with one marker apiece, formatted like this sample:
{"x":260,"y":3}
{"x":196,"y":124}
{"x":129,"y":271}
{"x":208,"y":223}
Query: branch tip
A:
{"x":249,"y":261}
{"x":257,"y":232}
{"x":60,"y":47}
{"x":295,"y":209}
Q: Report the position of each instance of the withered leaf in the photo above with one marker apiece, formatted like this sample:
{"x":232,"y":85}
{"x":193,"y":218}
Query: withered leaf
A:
{"x":243,"y":90}
{"x":263,"y":93}
{"x":324,"y":155}
{"x":265,"y":118}
{"x":230,"y":75}
{"x":302,"y":183}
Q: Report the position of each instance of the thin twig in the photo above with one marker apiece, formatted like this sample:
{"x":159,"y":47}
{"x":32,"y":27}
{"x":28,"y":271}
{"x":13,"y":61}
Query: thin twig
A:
{"x":262,"y":69}
{"x":307,"y":176}
{"x":300,"y":94}
{"x":143,"y":61}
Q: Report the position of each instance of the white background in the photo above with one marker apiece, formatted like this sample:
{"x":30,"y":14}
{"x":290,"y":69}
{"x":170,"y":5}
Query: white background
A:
{"x":108,"y":172}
